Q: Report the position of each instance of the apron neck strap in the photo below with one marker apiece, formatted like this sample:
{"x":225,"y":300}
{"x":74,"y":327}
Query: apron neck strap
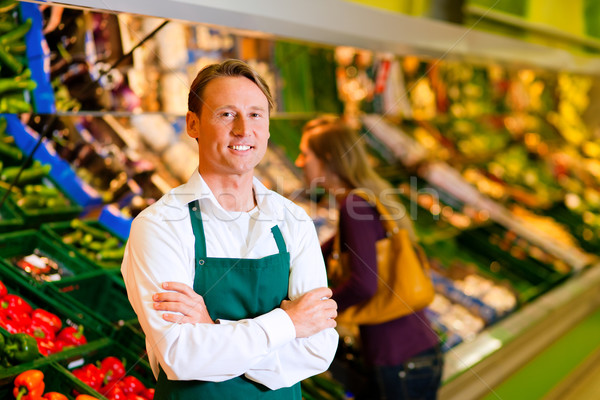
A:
{"x":197,"y":228}
{"x":279,"y":239}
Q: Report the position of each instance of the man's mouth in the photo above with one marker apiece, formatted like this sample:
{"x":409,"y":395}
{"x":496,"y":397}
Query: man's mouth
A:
{"x":241,"y":147}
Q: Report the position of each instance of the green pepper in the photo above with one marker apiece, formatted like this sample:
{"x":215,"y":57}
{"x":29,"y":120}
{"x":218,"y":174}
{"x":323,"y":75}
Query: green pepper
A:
{"x":21,"y":348}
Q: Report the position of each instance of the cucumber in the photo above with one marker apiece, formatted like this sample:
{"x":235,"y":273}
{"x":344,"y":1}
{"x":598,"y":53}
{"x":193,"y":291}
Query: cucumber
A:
{"x":33,"y":173}
{"x":11,"y":152}
{"x":10,"y":61}
{"x":17,"y":33}
{"x":96,"y":233}
{"x":111,"y":255}
{"x":42,"y":190}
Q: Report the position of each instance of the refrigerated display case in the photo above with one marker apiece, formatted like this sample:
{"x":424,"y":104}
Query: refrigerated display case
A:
{"x":552,"y":295}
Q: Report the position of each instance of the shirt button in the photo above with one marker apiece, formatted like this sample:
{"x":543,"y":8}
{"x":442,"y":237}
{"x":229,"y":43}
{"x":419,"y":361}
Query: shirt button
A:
{"x":194,"y":209}
{"x":201,"y":262}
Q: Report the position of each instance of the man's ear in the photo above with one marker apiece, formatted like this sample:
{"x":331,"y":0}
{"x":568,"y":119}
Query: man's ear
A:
{"x":192,"y":123}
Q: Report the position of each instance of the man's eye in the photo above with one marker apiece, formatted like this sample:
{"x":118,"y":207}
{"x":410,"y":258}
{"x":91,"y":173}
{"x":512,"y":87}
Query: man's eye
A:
{"x":255,"y":115}
{"x":227,"y":114}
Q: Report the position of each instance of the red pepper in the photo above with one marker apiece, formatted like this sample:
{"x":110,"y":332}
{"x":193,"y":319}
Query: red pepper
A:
{"x":72,"y":335}
{"x":3,"y":290}
{"x":39,"y":330}
{"x":113,"y":369}
{"x":90,"y":375}
{"x":46,"y":317}
{"x":132,"y":396}
{"x":14,"y":302}
{"x":55,"y":396}
{"x":29,"y":385}
{"x":8,"y":324}
{"x":60,"y":345}
{"x":113,"y":392}
{"x":131,"y":384}
{"x":46,"y":346}
{"x":15,"y":320}
{"x":148,"y":393}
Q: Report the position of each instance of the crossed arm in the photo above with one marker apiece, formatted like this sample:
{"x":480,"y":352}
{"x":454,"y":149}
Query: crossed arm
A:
{"x":311,"y":313}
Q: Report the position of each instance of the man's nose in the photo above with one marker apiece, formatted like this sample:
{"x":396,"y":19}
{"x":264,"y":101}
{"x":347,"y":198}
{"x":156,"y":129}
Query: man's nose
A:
{"x":300,"y":161}
{"x":239,"y":126}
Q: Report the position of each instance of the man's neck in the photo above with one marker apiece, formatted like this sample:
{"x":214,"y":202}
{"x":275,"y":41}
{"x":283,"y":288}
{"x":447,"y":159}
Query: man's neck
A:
{"x":233,"y":192}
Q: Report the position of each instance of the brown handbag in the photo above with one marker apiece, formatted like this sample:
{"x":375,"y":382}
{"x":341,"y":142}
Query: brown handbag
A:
{"x":404,"y":285}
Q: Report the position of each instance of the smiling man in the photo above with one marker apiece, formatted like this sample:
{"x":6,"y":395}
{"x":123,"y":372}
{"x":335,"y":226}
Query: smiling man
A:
{"x":226,"y":276}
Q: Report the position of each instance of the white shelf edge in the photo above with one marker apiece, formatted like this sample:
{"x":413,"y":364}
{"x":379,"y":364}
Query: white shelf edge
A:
{"x":342,"y":23}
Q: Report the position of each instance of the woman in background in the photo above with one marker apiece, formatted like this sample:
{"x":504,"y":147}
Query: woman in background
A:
{"x":403,"y":355}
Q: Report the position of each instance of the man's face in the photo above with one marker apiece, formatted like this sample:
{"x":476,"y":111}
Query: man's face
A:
{"x":233,"y":127}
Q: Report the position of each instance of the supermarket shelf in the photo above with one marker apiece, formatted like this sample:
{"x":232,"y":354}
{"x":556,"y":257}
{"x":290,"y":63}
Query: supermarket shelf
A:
{"x":318,"y":21}
{"x":546,"y":30}
{"x":129,"y":114}
{"x":473,"y":368}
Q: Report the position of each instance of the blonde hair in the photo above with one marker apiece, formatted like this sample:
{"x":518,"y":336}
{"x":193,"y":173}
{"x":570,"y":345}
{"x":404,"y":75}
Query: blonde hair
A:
{"x":342,"y":151}
{"x":227,"y":68}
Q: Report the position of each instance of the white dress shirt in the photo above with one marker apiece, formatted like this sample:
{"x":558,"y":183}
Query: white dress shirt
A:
{"x":265,"y":349}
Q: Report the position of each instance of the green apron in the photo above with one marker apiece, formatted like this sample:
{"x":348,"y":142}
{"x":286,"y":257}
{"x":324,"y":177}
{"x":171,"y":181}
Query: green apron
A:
{"x":233,"y":289}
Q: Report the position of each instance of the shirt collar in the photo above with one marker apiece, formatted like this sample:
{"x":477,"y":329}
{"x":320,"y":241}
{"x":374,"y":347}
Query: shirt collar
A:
{"x":197,"y":189}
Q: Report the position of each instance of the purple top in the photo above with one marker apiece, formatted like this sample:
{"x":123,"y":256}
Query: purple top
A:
{"x":392,"y":342}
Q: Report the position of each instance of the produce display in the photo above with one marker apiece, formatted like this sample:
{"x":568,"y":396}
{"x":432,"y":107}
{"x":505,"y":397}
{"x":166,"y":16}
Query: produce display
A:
{"x":94,"y":243}
{"x":40,"y":267}
{"x":516,"y":137}
{"x":16,"y":83}
{"x":31,"y":385}
{"x":32,"y":190}
{"x":109,"y":377}
{"x":48,"y":330}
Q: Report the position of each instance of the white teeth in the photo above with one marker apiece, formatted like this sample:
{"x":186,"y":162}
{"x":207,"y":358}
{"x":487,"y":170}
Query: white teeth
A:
{"x":241,"y":148}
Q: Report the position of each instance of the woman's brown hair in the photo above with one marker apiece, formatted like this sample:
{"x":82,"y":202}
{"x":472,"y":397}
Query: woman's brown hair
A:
{"x":342,"y":151}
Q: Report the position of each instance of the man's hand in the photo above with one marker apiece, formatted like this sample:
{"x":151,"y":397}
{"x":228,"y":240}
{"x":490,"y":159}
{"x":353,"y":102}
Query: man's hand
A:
{"x":182,"y":299}
{"x":312,"y":312}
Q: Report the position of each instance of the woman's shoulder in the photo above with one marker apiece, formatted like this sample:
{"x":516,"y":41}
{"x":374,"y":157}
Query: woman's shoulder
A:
{"x":355,"y":206}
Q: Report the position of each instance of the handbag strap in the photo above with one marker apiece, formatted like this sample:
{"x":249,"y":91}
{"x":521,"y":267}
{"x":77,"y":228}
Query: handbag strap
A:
{"x":389,"y":224}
